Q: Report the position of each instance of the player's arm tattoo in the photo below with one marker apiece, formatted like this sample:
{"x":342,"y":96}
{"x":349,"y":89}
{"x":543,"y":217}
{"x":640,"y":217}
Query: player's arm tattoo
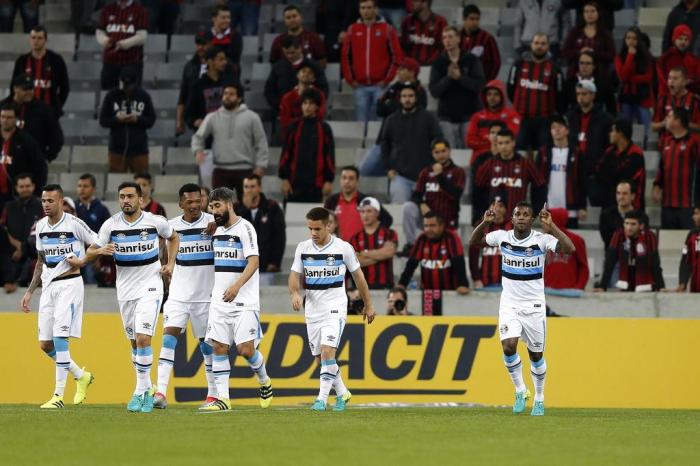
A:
{"x":36,"y":278}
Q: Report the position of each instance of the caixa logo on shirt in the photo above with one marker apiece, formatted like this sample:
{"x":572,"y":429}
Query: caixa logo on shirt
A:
{"x":120,"y":28}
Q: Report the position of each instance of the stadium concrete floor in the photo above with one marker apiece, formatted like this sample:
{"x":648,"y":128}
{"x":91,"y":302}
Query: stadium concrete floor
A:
{"x":109,"y":435}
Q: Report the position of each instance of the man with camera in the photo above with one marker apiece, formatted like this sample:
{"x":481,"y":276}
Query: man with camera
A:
{"x":397,"y":302}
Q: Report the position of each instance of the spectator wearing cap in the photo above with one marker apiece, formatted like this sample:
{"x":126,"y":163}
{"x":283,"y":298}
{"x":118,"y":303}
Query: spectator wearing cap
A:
{"x":405,"y":144}
{"x":370,"y":56}
{"x":589,"y":126}
{"x":68,"y":205}
{"x":439,"y":189}
{"x":20,"y":153}
{"x":36,"y":117}
{"x":456,"y":80}
{"x":307,"y":163}
{"x":590,"y":35}
{"x":680,"y":54}
{"x":546,"y":16}
{"x":685,"y":12}
{"x":421,"y":33}
{"x":194,"y":69}
{"x":407,"y":72}
{"x":121,"y":31}
{"x":587,"y":70}
{"x":312,"y":46}
{"x":480,"y":42}
{"x":128,"y":113}
{"x":226,"y":38}
{"x":375,"y":245}
{"x":485,"y":262}
{"x":346,"y":204}
{"x":566,"y":274}
{"x":284,"y":73}
{"x":564,"y":171}
{"x":290,"y":106}
{"x":239,"y":145}
{"x":495,"y":108}
{"x":47,"y":69}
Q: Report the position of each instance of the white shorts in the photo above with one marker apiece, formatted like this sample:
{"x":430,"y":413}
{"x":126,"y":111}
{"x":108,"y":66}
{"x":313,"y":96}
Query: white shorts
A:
{"x":61,"y":309}
{"x":177,"y":313}
{"x":528,"y":322}
{"x":139,"y":316}
{"x":325,"y":332}
{"x":233,"y":328}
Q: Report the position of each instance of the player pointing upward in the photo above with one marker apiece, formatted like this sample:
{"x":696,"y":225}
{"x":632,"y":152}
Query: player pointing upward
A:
{"x":522,"y":310}
{"x":323,"y":260}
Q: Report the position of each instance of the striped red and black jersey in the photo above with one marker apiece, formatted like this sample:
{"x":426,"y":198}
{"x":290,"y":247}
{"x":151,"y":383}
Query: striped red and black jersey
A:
{"x":122,"y":23}
{"x":485,"y":262}
{"x":678,"y":172}
{"x":690,"y":261}
{"x":483,"y":45}
{"x":441,"y":261}
{"x":442,"y":192}
{"x":665,"y":103}
{"x":308,"y":154}
{"x":617,"y":165}
{"x":50,"y":77}
{"x":638,"y":261}
{"x":420,"y":40}
{"x":512,"y":177}
{"x":379,"y":276}
{"x":535,"y":88}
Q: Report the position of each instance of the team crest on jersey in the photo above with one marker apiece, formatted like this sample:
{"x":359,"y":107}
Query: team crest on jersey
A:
{"x":263,"y":219}
{"x":231,"y":241}
{"x":62,"y":239}
{"x":121,"y":236}
{"x":517,"y":169}
{"x":683,"y":146}
{"x":110,"y":18}
{"x":497,"y":168}
{"x":641,"y":249}
{"x":204,"y":234}
{"x":529,"y":251}
{"x":143,"y":235}
{"x":443,"y":251}
{"x":330,"y":261}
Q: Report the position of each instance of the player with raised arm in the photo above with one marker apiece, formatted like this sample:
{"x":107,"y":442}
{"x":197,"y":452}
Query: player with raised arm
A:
{"x":132,"y":238}
{"x":58,"y":236}
{"x":234,"y":315}
{"x":522,"y":312}
{"x":320,"y":264}
{"x":190,"y":290}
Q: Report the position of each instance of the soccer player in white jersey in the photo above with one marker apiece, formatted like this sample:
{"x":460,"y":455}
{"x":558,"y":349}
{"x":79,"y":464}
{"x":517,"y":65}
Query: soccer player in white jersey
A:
{"x":132,"y":238}
{"x":58,"y":236}
{"x":234,"y":315}
{"x":522,"y":312}
{"x":190,"y":290}
{"x":319,"y":267}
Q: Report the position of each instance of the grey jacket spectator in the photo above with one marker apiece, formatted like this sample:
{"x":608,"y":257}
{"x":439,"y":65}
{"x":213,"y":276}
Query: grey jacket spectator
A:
{"x":547,"y":16}
{"x":680,"y":14}
{"x":239,"y":139}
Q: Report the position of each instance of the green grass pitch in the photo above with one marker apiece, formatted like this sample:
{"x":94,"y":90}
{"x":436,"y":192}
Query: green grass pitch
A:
{"x":109,"y":435}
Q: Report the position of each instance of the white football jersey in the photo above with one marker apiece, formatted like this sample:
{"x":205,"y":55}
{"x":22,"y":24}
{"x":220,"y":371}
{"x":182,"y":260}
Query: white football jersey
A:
{"x":324,"y":277}
{"x":522,"y":265}
{"x":232,"y":248}
{"x":193,"y":276}
{"x":68,"y":235}
{"x":136,"y":256}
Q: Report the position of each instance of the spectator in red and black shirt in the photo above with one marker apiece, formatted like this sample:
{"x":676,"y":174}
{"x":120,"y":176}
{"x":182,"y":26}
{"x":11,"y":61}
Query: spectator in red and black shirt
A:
{"x":223,"y":36}
{"x":148,"y":204}
{"x":589,"y":36}
{"x":613,"y":217}
{"x":678,"y":96}
{"x":307,"y":164}
{"x":375,"y":245}
{"x":485,"y":262}
{"x":47,"y":69}
{"x":535,"y":87}
{"x":479,"y":42}
{"x":438,"y":189}
{"x":421,"y":33}
{"x":290,"y":105}
{"x":679,"y":55}
{"x":509,"y":172}
{"x":623,"y":160}
{"x":689,"y":270}
{"x":312,"y":45}
{"x":121,"y":31}
{"x":440,"y":254}
{"x":495,"y":109}
{"x":635,"y":249}
{"x":480,"y":194}
{"x":19,"y":151}
{"x":676,"y":185}
{"x":564,"y":171}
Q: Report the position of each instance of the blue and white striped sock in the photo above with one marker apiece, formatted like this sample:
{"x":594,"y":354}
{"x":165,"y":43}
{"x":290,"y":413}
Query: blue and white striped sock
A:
{"x":207,"y":352}
{"x":144,"y":361}
{"x":136,"y":371}
{"x":339,"y":385}
{"x":75,"y":371}
{"x":62,"y":364}
{"x":166,"y":361}
{"x":221,"y":368}
{"x":257,"y":364}
{"x":515,"y":369}
{"x":329,"y":371}
{"x":538,"y":370}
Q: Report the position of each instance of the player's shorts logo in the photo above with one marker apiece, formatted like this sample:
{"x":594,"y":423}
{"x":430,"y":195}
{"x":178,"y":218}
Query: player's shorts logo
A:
{"x":537,"y":344}
{"x":252,"y":331}
{"x":62,"y":238}
{"x":330,"y":261}
{"x":146,"y":325}
{"x":143,"y":235}
{"x":65,"y":328}
{"x":504,"y":329}
{"x":330,"y":337}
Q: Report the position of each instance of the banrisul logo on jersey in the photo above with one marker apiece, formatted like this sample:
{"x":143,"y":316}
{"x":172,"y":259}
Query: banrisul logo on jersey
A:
{"x":410,"y":360}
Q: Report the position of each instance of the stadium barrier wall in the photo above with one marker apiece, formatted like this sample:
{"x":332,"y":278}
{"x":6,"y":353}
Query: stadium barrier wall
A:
{"x":621,"y":363}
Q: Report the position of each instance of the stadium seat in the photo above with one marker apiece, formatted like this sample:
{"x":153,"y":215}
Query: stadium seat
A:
{"x":348,"y":133}
{"x":373,"y":128}
{"x":84,"y":75}
{"x":672,"y":240}
{"x":163,"y":131}
{"x":625,"y":19}
{"x":260,"y":73}
{"x":156,"y":48}
{"x":69,"y":183}
{"x":167,"y":186}
{"x":91,"y":159}
{"x":164,"y":101}
{"x":251,"y":46}
{"x":344,"y":156}
{"x":155,"y":159}
{"x":490,"y":18}
{"x":169,"y":75}
{"x":56,"y":17}
{"x":6,"y":69}
{"x":80,"y":104}
{"x":88,"y":48}
{"x":461,"y":157}
{"x":61,"y":163}
{"x":507,"y":23}
{"x":180,"y":161}
{"x":653,"y":20}
{"x":113,"y":182}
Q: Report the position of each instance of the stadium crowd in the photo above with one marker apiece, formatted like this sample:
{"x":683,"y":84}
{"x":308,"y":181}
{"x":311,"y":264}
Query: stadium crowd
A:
{"x":555,"y":126}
